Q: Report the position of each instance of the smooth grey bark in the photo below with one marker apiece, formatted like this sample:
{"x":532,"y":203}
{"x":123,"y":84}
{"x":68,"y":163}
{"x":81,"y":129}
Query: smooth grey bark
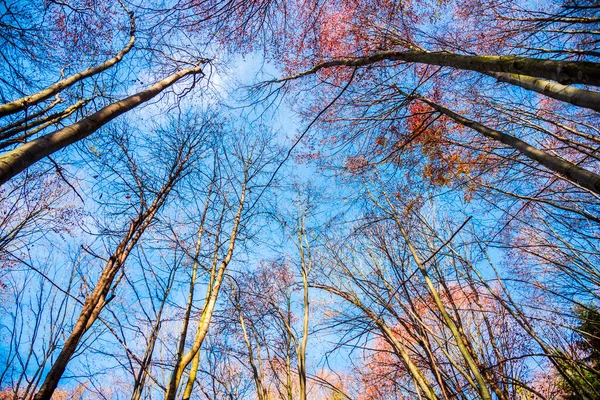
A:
{"x":568,"y":94}
{"x":565,"y":72}
{"x":27,"y":101}
{"x":22,"y":157}
{"x":572,"y":172}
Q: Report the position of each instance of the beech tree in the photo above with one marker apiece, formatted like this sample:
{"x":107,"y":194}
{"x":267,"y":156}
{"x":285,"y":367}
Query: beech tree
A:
{"x":271,"y":309}
{"x":397,"y":61}
{"x":151,"y":199}
{"x":402,"y":202}
{"x":455,"y":346}
{"x":239,"y":166}
{"x":36,"y":124}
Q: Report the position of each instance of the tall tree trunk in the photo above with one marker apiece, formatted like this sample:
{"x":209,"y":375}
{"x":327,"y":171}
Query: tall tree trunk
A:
{"x":193,"y":278}
{"x":305,"y":265}
{"x":568,"y":94}
{"x":565,"y":72}
{"x":208,"y":308}
{"x":572,"y":172}
{"x":461,"y":341}
{"x":256,"y":373}
{"x":24,"y":102}
{"x":399,"y":349}
{"x":95,"y":301}
{"x":22,"y":157}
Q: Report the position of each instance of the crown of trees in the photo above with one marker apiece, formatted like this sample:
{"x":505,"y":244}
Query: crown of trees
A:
{"x":160,"y":235}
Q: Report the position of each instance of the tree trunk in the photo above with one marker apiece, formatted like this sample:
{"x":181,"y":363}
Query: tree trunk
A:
{"x":17,"y":160}
{"x":572,"y":172}
{"x":568,"y":94}
{"x":24,"y":102}
{"x":95,"y":302}
{"x":208,"y":309}
{"x":565,"y":72}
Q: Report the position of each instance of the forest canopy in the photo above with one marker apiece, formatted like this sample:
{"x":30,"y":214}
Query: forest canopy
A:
{"x":304,"y":199}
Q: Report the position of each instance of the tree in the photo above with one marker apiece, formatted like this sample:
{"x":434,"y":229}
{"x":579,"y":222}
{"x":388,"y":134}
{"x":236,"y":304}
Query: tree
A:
{"x":182,"y":155}
{"x":585,"y":376}
{"x":32,"y":129}
{"x":382,"y":46}
{"x":440,"y":236}
{"x":243,"y":168}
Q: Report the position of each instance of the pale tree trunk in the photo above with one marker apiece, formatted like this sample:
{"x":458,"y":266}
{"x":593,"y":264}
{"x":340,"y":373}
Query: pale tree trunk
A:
{"x":261,"y":392}
{"x":484,"y":379}
{"x":304,"y":341}
{"x":176,"y":379}
{"x":140,"y":380}
{"x":305,"y":265}
{"x":34,"y":126}
{"x":22,"y":157}
{"x":193,"y":278}
{"x":212,"y":296}
{"x":288,"y":365}
{"x":399,"y":349}
{"x":565,"y":72}
{"x":31,"y":116}
{"x":572,"y":172}
{"x":189,"y":386}
{"x":28,"y":101}
{"x":568,"y":94}
{"x":421,"y":330}
{"x":97,"y":299}
{"x":501,"y":392}
{"x":523,"y":321}
{"x":461,"y":341}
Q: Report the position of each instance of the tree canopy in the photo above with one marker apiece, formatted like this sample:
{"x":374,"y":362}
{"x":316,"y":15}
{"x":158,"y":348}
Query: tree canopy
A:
{"x":305,"y":199}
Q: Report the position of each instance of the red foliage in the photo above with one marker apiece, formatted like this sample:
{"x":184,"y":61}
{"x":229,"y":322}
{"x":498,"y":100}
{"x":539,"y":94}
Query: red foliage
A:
{"x":86,"y":27}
